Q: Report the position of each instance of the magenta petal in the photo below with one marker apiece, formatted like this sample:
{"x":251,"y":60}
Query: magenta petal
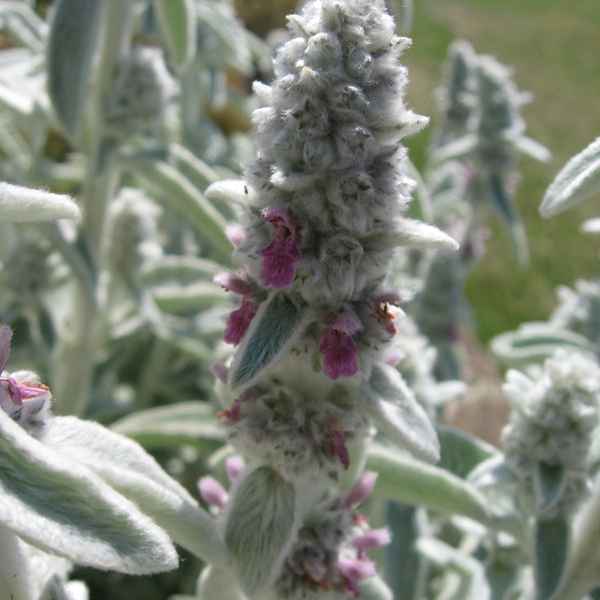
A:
{"x":239,"y":321}
{"x":339,"y":449}
{"x":279,"y":260}
{"x":340,"y":354}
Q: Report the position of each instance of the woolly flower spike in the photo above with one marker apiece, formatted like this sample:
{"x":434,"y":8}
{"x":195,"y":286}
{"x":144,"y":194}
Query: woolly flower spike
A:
{"x":22,"y":396}
{"x":133,"y":231}
{"x":330,"y":553}
{"x":457,"y":98}
{"x":143,"y":88}
{"x":552,"y":424}
{"x":302,"y":436}
{"x":327,"y":193}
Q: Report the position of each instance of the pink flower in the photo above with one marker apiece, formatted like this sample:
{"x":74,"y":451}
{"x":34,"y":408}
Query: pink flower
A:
{"x":234,"y":466}
{"x":361,"y":490}
{"x":372,"y":539}
{"x":212,"y":492}
{"x":239,"y":321}
{"x":279,"y":258}
{"x":354,"y":571}
{"x":338,"y":347}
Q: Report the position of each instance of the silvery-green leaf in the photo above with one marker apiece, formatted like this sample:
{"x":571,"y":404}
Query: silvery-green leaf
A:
{"x":533,"y":342}
{"x":179,"y":194}
{"x":591,"y":226}
{"x":185,"y":423}
{"x":405,"y":568}
{"x":277,"y":325}
{"x":22,"y":24}
{"x":549,"y":484}
{"x":44,"y":567}
{"x":192,"y":167}
{"x":398,"y":415}
{"x":177,"y":20}
{"x":551,"y":552}
{"x":15,"y":569}
{"x":533,"y":148}
{"x":178,"y":269}
{"x":21,"y":205}
{"x":54,"y":503}
{"x":473,"y":585}
{"x":77,"y":590}
{"x":582,"y":572}
{"x":416,"y":483}
{"x":412,"y":234}
{"x":455,"y":149}
{"x":422,"y":209}
{"x":374,"y":588}
{"x":16,"y":101}
{"x":260,"y":527}
{"x":130,"y":470}
{"x":578,"y":180}
{"x":504,"y":205}
{"x":189,"y":299}
{"x":231,"y":190}
{"x":403,"y":9}
{"x":72,"y":47}
{"x":462,"y":452}
{"x":217,"y":583}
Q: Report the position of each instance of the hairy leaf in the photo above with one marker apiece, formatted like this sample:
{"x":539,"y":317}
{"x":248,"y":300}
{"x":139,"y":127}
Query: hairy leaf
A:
{"x":398,"y":415}
{"x":578,"y":180}
{"x":189,"y":423}
{"x":276,"y":326}
{"x":260,"y":528}
{"x":412,"y":482}
{"x":177,"y":20}
{"x":551,"y":550}
{"x":72,"y":46}
{"x":461,"y":452}
{"x":21,"y":205}
{"x":62,"y":507}
{"x":127,"y":467}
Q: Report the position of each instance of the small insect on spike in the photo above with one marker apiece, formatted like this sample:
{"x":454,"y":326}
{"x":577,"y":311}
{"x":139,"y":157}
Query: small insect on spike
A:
{"x":5,"y":339}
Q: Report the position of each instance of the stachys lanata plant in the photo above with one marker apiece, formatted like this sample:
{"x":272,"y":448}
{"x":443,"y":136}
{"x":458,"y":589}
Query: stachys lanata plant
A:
{"x":322,"y":214}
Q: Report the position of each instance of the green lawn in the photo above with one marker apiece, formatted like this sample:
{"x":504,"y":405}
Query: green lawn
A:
{"x":554,"y":47}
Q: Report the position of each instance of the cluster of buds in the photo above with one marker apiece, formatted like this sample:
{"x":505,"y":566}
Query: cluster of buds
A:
{"x":143,"y":88}
{"x":22,"y":396}
{"x":554,"y":418}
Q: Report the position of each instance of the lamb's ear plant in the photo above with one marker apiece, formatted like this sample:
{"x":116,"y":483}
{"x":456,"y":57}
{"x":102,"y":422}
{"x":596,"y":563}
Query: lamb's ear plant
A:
{"x":324,"y":207}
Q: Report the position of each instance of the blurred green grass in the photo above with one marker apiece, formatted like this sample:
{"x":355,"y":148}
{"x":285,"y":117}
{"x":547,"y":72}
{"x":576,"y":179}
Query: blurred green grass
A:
{"x":553,"y":46}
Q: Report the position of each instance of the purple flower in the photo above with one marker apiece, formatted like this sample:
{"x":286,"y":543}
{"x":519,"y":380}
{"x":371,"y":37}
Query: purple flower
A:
{"x":213,"y":493}
{"x":338,"y":348}
{"x":337,"y":445}
{"x":239,"y":321}
{"x":233,"y":283}
{"x":279,"y":258}
{"x":16,"y":391}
